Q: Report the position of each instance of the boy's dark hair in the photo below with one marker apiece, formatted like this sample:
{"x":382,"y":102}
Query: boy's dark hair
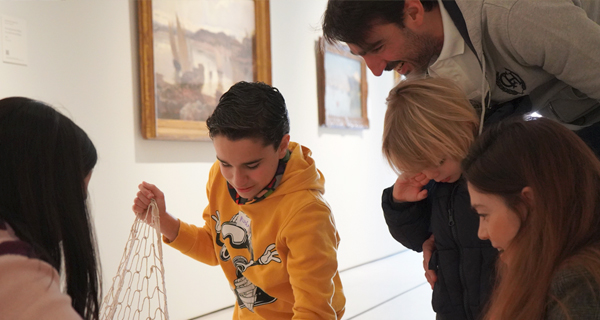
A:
{"x":250,"y":110}
{"x":44,"y":159}
{"x":349,"y":21}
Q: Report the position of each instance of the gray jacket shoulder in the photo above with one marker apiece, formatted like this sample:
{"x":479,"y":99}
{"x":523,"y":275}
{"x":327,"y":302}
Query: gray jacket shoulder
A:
{"x":551,"y":44}
{"x":573,"y":290}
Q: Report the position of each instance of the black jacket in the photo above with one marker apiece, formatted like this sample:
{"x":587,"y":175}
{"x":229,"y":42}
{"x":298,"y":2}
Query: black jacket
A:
{"x":464,"y":264}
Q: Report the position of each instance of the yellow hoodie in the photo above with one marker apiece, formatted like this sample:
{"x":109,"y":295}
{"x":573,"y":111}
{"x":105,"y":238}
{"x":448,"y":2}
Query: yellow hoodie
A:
{"x":279,"y":254}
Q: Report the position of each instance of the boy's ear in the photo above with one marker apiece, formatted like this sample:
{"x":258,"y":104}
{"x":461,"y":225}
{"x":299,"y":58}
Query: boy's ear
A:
{"x":283,"y":146}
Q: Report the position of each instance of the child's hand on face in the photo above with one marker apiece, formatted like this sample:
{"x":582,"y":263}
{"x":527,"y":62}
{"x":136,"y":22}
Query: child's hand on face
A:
{"x":409,"y":188}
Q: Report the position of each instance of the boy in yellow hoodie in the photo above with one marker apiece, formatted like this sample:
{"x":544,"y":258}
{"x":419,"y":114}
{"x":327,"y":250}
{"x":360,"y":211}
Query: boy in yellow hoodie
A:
{"x":266,"y":224}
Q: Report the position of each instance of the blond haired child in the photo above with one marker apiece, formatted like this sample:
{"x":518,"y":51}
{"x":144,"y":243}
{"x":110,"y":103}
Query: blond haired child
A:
{"x":429,"y":126}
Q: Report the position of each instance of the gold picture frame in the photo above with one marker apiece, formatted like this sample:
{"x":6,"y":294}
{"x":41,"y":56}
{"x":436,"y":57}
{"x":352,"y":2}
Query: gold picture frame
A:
{"x":341,"y":87}
{"x":174,"y":103}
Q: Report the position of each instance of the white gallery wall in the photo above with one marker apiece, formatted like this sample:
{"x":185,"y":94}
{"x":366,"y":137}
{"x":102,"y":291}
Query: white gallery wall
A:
{"x":82,"y":58}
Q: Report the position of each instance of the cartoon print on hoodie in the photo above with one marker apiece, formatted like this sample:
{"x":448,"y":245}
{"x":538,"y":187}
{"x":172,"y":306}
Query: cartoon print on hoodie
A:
{"x":239,"y":232}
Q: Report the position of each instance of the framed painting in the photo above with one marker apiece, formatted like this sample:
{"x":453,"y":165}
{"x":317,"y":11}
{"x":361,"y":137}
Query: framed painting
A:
{"x":191,"y":52}
{"x":342,"y":87}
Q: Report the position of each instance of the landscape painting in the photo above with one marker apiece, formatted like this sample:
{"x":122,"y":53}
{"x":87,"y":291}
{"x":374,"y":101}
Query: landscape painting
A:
{"x":199,"y":49}
{"x":341,"y":86}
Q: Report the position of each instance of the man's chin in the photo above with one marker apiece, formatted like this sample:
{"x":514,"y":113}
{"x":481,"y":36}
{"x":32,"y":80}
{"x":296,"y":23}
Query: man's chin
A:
{"x":416,"y":74}
{"x":413,"y":71}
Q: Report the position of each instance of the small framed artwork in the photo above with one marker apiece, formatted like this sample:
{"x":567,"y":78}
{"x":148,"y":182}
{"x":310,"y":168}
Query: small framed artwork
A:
{"x":190,"y":53}
{"x":342,"y":87}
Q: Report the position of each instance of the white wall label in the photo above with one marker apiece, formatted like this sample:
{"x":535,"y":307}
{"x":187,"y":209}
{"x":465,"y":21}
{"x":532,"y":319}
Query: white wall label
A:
{"x":14,"y":40}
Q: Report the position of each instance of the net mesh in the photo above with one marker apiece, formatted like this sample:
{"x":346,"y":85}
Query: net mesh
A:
{"x":138,"y":290}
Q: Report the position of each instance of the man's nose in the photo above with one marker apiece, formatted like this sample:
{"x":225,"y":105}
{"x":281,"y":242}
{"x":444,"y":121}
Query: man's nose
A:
{"x":375,"y":64}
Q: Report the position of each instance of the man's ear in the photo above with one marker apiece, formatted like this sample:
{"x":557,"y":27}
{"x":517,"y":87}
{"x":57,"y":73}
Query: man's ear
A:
{"x":283,"y":146}
{"x":413,"y":14}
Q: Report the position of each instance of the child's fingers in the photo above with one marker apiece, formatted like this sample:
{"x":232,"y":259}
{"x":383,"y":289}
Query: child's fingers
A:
{"x":146,"y":190}
{"x":152,"y":190}
{"x":421,"y":178}
{"x":407,"y":176}
{"x":401,"y":182}
{"x":139,"y":206}
{"x":422,"y":195}
{"x":144,"y":197}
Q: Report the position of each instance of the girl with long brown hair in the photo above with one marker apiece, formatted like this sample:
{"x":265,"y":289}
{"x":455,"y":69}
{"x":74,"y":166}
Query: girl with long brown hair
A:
{"x":536,"y":188}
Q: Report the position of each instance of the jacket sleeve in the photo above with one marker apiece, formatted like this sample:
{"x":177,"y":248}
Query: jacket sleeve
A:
{"x":560,"y":38}
{"x":30,"y":289}
{"x":312,"y":240}
{"x":408,"y":222}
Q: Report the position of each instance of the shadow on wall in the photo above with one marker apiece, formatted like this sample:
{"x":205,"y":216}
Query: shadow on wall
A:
{"x":159,"y":151}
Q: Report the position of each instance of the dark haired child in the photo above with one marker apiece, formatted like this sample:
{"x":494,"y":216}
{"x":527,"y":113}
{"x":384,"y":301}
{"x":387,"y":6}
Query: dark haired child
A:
{"x":267,"y":224}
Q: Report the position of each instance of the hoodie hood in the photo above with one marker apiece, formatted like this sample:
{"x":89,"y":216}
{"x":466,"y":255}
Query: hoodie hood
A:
{"x":301,"y":173}
{"x":297,"y":169}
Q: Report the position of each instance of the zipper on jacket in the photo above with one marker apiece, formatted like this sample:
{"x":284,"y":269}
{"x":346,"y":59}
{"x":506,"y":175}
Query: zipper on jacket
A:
{"x":461,"y":270}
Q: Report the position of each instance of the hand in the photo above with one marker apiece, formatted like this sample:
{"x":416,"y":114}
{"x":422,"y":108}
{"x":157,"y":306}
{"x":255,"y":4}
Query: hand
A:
{"x":428,"y":248}
{"x":410,"y":188}
{"x":269,"y":255}
{"x":142,"y":201}
{"x":217,"y":219}
{"x":169,"y":225}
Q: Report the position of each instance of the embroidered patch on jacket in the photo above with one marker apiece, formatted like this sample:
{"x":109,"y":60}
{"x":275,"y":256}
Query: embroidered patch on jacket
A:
{"x":510,"y":82}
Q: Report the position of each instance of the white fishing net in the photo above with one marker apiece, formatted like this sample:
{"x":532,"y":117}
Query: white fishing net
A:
{"x":138,"y":290}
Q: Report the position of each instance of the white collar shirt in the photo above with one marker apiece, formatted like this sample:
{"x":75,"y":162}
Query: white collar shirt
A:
{"x":457,"y":61}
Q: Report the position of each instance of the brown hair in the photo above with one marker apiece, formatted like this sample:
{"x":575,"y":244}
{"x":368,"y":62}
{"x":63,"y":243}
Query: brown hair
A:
{"x":426,"y":120}
{"x":560,"y":227}
{"x":350,"y":21}
{"x":269,"y":121}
